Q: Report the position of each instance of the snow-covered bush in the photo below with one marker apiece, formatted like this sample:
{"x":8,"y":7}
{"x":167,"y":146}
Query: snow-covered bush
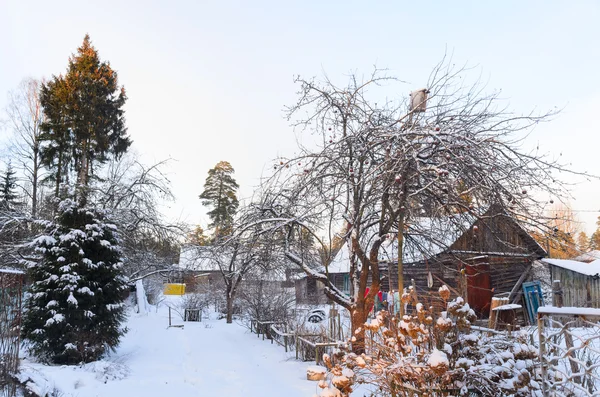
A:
{"x":194,"y":300}
{"x":154,"y":289}
{"x":266,"y":300}
{"x":75,"y":309}
{"x":426,"y":355}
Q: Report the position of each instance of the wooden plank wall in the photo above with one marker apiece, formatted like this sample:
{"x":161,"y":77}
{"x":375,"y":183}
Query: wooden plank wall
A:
{"x":496,"y":234}
{"x":579,"y":290}
{"x":504,"y":272}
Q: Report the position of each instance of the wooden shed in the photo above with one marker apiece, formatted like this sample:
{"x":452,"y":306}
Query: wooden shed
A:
{"x":196,"y":270}
{"x":580,"y":281}
{"x":477,"y":256}
{"x":310,"y":291}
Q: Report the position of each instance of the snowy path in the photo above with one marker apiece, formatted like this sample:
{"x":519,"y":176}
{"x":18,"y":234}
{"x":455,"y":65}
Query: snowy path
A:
{"x":210,"y":358}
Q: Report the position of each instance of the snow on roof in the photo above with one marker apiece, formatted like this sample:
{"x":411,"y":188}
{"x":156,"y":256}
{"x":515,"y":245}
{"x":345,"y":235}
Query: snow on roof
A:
{"x":202,"y":259}
{"x":426,"y":237}
{"x":197,"y":259}
{"x":341,"y":261}
{"x":588,"y":256}
{"x":577,"y":311}
{"x":589,"y":269}
{"x":510,"y":306}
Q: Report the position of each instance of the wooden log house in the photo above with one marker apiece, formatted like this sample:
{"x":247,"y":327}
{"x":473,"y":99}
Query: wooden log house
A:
{"x":477,"y":257}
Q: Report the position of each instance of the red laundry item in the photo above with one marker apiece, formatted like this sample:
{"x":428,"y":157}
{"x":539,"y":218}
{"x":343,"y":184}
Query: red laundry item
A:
{"x":366,"y":293}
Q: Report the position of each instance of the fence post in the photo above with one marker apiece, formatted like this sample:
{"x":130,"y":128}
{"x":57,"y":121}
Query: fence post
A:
{"x":296,"y":338}
{"x":542,"y":353}
{"x":558,"y":298}
{"x":317,"y":355}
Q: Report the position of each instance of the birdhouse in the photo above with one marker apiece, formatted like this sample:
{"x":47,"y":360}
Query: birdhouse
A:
{"x":418,"y":100}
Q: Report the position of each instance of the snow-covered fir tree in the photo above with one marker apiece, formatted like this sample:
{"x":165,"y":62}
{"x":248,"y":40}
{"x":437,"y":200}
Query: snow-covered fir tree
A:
{"x":75,"y":310}
{"x":8,"y":189}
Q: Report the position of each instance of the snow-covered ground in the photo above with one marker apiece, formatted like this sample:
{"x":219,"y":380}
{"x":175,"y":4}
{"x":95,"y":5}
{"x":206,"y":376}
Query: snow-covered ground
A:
{"x":209,"y":358}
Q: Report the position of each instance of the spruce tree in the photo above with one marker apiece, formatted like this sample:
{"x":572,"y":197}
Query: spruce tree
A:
{"x":595,"y":238}
{"x":220,"y":193}
{"x":75,"y":309}
{"x":85,"y":116}
{"x":56,"y":143}
{"x":8,"y":189}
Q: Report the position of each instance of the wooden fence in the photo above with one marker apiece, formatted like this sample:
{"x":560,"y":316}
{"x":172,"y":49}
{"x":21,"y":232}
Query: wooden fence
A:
{"x":308,"y":347}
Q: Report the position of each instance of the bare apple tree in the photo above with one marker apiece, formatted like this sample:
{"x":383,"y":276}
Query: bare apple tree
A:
{"x":378,"y":165}
{"x":252,"y":253}
{"x":133,"y":193}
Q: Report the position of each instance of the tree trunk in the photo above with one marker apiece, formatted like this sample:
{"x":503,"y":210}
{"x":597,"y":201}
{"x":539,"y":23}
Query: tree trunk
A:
{"x":229,"y":308}
{"x":82,"y":177}
{"x":34,"y":181}
{"x":230,"y":297}
{"x":400,"y":260}
{"x":358,"y":319}
{"x":58,"y":175}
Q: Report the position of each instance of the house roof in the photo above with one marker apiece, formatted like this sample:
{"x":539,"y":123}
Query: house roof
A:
{"x":419,"y":242}
{"x":426,"y":237}
{"x":202,"y":259}
{"x":588,"y":256}
{"x":196,"y":259}
{"x":589,"y":269}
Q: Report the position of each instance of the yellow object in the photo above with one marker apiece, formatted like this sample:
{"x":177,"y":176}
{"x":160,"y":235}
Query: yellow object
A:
{"x":174,"y":289}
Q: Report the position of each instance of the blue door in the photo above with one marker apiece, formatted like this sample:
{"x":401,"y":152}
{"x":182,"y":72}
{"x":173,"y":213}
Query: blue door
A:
{"x":532,"y":294}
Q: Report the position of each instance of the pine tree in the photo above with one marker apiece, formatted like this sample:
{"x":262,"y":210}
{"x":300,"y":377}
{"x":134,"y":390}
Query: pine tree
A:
{"x":8,"y":187}
{"x":197,"y":237}
{"x":558,"y":243}
{"x":583,"y":242}
{"x":85,"y":116}
{"x":75,"y":309}
{"x":595,"y":239}
{"x":220,"y":193}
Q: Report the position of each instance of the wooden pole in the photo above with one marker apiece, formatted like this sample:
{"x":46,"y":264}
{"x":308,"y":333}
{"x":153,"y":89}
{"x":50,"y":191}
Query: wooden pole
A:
{"x":542,"y":354}
{"x":297,"y":343}
{"x":400,"y":262}
{"x":558,"y":298}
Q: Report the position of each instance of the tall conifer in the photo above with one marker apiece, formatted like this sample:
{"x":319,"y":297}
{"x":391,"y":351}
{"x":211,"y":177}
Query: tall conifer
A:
{"x":220,"y":193}
{"x":75,"y":308}
{"x":85,"y":117}
{"x":8,"y":189}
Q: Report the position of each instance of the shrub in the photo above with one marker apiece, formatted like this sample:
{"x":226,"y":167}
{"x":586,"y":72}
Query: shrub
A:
{"x":426,"y":355}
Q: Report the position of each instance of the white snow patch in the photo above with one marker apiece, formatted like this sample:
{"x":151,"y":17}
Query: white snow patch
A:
{"x":438,"y":358}
{"x":71,"y":300}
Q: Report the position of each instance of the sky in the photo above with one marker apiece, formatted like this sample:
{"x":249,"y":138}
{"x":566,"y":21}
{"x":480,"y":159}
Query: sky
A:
{"x":208,"y":80}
